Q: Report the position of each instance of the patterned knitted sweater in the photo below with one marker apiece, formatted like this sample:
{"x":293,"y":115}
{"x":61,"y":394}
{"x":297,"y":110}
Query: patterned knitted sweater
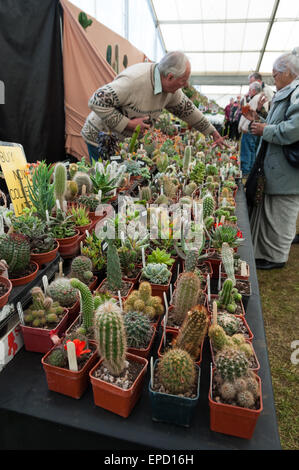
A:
{"x":133,"y":94}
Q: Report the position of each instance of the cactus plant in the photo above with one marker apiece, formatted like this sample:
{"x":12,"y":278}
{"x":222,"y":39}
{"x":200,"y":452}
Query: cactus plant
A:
{"x":227,"y":256}
{"x":190,"y":188}
{"x":71,"y":190}
{"x":83,"y":179}
{"x":186,"y":295}
{"x":73,"y":168}
{"x":138,"y":330}
{"x":42,"y":312}
{"x":58,"y":357}
{"x":229,"y":323}
{"x":187,"y":158}
{"x":208,"y":204}
{"x":81,"y":268}
{"x":231,"y":364}
{"x":15,"y":250}
{"x":61,"y":291}
{"x":143,"y":302}
{"x":110,"y":336}
{"x":114,"y":275}
{"x":228,"y":296}
{"x":193,"y":330}
{"x":60,"y":179}
{"x":176,"y":371}
{"x":145,"y":193}
{"x":87,"y":303}
{"x":156,"y":273}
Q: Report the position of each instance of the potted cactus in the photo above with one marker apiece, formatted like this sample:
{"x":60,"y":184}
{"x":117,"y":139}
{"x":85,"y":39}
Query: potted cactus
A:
{"x":228,"y":300}
{"x":80,"y":217}
{"x":61,"y":291}
{"x":82,"y":269}
{"x":159,"y":276}
{"x":66,"y":368}
{"x":15,"y":250}
{"x":235,"y":395}
{"x":45,"y":320}
{"x":174,"y":391}
{"x":117,"y":379}
{"x":140,"y":333}
{"x":143,"y":301}
{"x":5,"y":284}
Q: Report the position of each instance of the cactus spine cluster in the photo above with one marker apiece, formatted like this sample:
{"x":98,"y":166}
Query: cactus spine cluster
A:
{"x":186,"y":295}
{"x":42,"y":311}
{"x":143,"y":302}
{"x":193,"y":331}
{"x":15,"y":250}
{"x":63,"y":292}
{"x":138,"y":330}
{"x":145,"y":193}
{"x":231,"y":364}
{"x":60,"y":183}
{"x":110,"y":336}
{"x":176,"y":371}
{"x":227,"y":256}
{"x":81,"y":268}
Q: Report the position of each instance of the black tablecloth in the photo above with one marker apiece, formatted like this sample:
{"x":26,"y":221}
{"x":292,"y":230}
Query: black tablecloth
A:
{"x":32,"y":417}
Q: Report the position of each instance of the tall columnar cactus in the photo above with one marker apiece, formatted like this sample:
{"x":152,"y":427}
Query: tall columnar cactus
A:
{"x":193,"y":331}
{"x":60,"y":183}
{"x":191,"y":260}
{"x":110,"y":336}
{"x":186,"y":295}
{"x":208,"y":204}
{"x":231,"y":364}
{"x":81,"y":268}
{"x":187,"y":158}
{"x":63,"y":292}
{"x":87,"y":303}
{"x":176,"y":371}
{"x":138,"y":330}
{"x":143,"y":302}
{"x":228,"y":296}
{"x":145,"y":193}
{"x":15,"y":250}
{"x":114,"y":275}
{"x":227,"y":256}
{"x":190,"y":188}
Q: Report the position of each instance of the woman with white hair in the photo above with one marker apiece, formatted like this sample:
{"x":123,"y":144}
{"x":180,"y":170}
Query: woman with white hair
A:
{"x":273,"y":221}
{"x":137,"y":96}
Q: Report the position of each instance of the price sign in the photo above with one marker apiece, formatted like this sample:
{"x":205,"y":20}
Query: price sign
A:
{"x":14,"y":168}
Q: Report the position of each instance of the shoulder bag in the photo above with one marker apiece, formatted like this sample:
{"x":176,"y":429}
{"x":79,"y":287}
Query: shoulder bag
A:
{"x":291,"y":151}
{"x":256,"y":180}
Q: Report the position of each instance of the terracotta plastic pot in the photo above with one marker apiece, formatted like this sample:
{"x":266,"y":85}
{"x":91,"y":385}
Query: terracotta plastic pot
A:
{"x":83,"y":228}
{"x":255,"y":369}
{"x":113,"y":398}
{"x":215,"y":297}
{"x":145,"y":351}
{"x":234,"y":420}
{"x":173,"y":334}
{"x":43,"y":258}
{"x":237,"y":276}
{"x":8,"y":284}
{"x":173,"y":409}
{"x":159,"y":289}
{"x":67,"y":241}
{"x":68,"y":382}
{"x":26,"y":279}
{"x":41,"y":340}
{"x":70,"y":250}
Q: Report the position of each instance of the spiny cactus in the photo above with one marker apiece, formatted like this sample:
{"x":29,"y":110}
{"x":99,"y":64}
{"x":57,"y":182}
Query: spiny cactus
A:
{"x":81,"y":268}
{"x":114,"y":275}
{"x":227,"y":256}
{"x":143,"y":302}
{"x":156,"y":273}
{"x":63,"y":292}
{"x":145,"y":193}
{"x":60,"y":179}
{"x":193,"y":330}
{"x":242,"y":391}
{"x":176,"y":371}
{"x":162,"y":161}
{"x":228,"y":296}
{"x":190,"y":188}
{"x":229,"y":323}
{"x":138,"y":330}
{"x":58,"y":357}
{"x":87,"y":303}
{"x":83,"y":179}
{"x":231,"y":364}
{"x":186,"y":295}
{"x":15,"y":250}
{"x":187,"y":158}
{"x":73,"y":168}
{"x":42,"y":312}
{"x":110,"y":336}
{"x":208,"y":204}
{"x":71,"y":190}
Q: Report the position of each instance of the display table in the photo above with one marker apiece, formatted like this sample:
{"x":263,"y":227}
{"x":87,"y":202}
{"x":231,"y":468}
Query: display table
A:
{"x":32,"y":417}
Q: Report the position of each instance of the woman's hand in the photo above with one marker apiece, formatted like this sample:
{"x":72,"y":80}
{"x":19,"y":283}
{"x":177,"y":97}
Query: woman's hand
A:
{"x":133,"y":123}
{"x":262,"y":100}
{"x":219,"y":140}
{"x":257,"y":128}
{"x":251,"y":115}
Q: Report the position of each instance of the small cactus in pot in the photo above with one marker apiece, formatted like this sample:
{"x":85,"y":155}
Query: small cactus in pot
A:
{"x":176,"y":371}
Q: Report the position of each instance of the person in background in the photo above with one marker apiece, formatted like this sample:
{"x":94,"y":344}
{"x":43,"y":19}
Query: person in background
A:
{"x":273,"y":222}
{"x":248,"y":140}
{"x":267,"y":92}
{"x":227,"y":117}
{"x":137,"y":96}
{"x":234,"y":118}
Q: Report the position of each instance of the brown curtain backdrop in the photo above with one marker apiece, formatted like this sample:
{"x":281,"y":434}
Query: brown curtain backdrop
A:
{"x":86,"y":69}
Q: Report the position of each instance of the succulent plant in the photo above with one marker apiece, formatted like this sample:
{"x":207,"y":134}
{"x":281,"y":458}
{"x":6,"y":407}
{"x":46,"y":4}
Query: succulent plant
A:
{"x":15,"y":250}
{"x":229,"y":323}
{"x":231,"y":364}
{"x":138,"y":330}
{"x":209,"y":204}
{"x":87,"y":304}
{"x":143,"y":302}
{"x":83,"y":179}
{"x":176,"y":371}
{"x":62,"y":225}
{"x":193,"y":330}
{"x":61,"y":291}
{"x":160,"y":256}
{"x":89,"y":201}
{"x":225,"y":233}
{"x":228,"y":296}
{"x":60,"y":179}
{"x":227,"y":256}
{"x":186,"y":295}
{"x":58,"y":357}
{"x":81,"y":268}
{"x":42,"y":312}
{"x":114,"y":274}
{"x":156,"y":273}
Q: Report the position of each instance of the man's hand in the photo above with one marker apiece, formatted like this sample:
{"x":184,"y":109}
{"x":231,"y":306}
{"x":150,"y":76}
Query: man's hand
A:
{"x":219,"y":140}
{"x":262,"y":100}
{"x":251,"y":115}
{"x":133,"y":123}
{"x":257,"y":128}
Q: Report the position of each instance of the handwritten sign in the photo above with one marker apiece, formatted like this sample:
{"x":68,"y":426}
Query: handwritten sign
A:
{"x":14,"y":167}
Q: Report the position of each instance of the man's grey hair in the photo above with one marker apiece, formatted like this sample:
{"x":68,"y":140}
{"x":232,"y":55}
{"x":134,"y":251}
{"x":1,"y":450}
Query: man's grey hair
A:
{"x":256,"y":86}
{"x":173,"y":62}
{"x":288,"y":61}
{"x":255,"y":75}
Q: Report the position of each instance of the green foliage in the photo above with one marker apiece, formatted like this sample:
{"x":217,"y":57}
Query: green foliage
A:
{"x":80,"y":216}
{"x":91,"y":201}
{"x":103,"y":182}
{"x":83,"y":20}
{"x":92,"y":249}
{"x":133,"y":141}
{"x":160,"y":257}
{"x":62,"y":225}
{"x":41,"y":190}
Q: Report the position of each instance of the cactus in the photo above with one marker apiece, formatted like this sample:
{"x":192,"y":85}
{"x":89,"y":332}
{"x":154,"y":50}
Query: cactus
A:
{"x":191,"y":260}
{"x":156,"y":273}
{"x":227,"y":256}
{"x":186,"y":295}
{"x":218,"y":337}
{"x":229,"y":323}
{"x":162,"y":199}
{"x":169,"y":187}
{"x":91,"y":202}
{"x":109,"y":54}
{"x":176,"y":371}
{"x":138,"y":330}
{"x":61,"y":291}
{"x":193,"y":330}
{"x":42,"y":311}
{"x":228,"y":296}
{"x":190,"y":188}
{"x":15,"y":251}
{"x":143,"y":302}
{"x":81,"y":268}
{"x":71,"y":190}
{"x":87,"y":303}
{"x":145,"y":193}
{"x":134,"y":139}
{"x":208,"y":204}
{"x":231,"y":364}
{"x":58,"y":357}
{"x":162,"y":161}
{"x":83,"y":179}
{"x":245,"y":399}
{"x":114,"y":275}
{"x":111,"y":337}
{"x":227,"y":391}
{"x":73,"y":168}
{"x":187,"y":158}
{"x":125,"y":61}
{"x":60,"y":187}
{"x":83,"y":20}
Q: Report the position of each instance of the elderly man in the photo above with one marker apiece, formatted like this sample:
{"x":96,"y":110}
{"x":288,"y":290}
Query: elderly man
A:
{"x":138,"y":95}
{"x":267,"y":93}
{"x":248,"y":140}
